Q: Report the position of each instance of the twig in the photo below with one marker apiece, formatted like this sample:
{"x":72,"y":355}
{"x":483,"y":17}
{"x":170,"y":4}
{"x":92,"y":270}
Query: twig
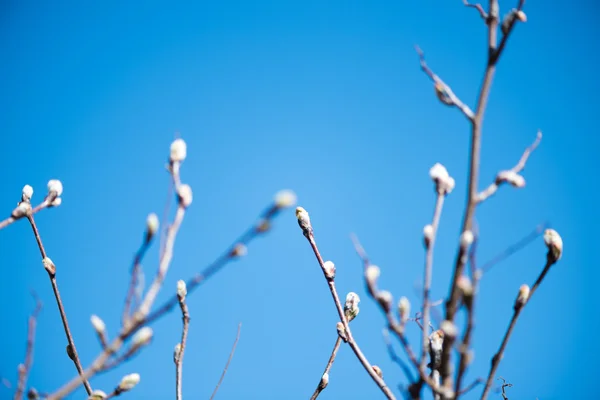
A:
{"x":444,"y":92}
{"x":51,"y":270}
{"x":237,"y":338}
{"x":503,"y":387}
{"x":139,"y":255}
{"x":494,"y":52}
{"x":519,"y":306}
{"x":478,"y":7}
{"x":324,"y":381}
{"x":471,"y":386}
{"x":25,"y":368}
{"x":430,"y":243}
{"x":502,"y":176}
{"x":393,"y":325}
{"x":185,"y":316}
{"x":307,"y":231}
{"x":395,"y":357}
{"x":35,"y":210}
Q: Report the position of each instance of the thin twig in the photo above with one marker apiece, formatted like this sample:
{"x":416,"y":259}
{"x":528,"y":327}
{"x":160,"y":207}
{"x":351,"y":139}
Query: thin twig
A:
{"x":478,"y":7}
{"x":35,"y":210}
{"x":444,"y":91}
{"x":237,"y":338}
{"x":185,"y":316}
{"x":517,"y":311}
{"x":307,"y":231}
{"x":25,"y":368}
{"x":492,"y":188}
{"x":139,"y":255}
{"x":471,"y":386}
{"x":439,"y":203}
{"x":324,"y":381}
{"x":395,"y":357}
{"x":503,"y":388}
{"x":51,"y":270}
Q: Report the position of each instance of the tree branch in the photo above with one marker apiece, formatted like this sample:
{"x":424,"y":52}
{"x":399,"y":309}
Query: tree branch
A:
{"x":324,"y":381}
{"x":25,"y":368}
{"x":231,"y":353}
{"x":185,"y":316}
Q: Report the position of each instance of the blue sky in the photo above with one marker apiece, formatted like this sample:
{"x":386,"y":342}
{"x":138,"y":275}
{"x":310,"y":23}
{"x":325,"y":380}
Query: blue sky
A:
{"x":327,"y":99}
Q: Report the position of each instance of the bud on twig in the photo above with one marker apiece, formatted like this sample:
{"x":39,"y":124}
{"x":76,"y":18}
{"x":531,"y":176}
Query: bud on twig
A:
{"x":372,"y":273}
{"x":178,"y":150}
{"x":128,"y":382}
{"x":510,"y":177}
{"x":428,"y":234}
{"x":23,"y":209}
{"x":142,"y":337}
{"x":239,"y":250}
{"x":304,"y":221}
{"x":181,"y":289}
{"x":49,"y":266}
{"x":554,"y":243}
{"x":324,"y":381}
{"x":55,"y":188}
{"x":385,"y":299}
{"x":152,"y":225}
{"x":329,"y":269}
{"x":26,"y":193}
{"x":466,"y":239}
{"x":97,"y":395}
{"x":285,"y":199}
{"x":184,"y":193}
{"x":351,"y":308}
{"x":403,"y":309}
{"x":466,"y":290}
{"x":522,"y":297}
{"x":444,"y":183}
{"x":98,"y":325}
{"x":341,"y":331}
{"x":378,"y":371}
{"x":442,"y":94}
{"x":449,"y":329}
{"x":177,"y":353}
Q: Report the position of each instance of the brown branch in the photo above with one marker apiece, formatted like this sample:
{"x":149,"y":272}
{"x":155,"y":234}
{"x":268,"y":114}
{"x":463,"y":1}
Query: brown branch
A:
{"x":430,"y":244}
{"x":519,"y":306}
{"x":14,"y":216}
{"x":503,"y":388}
{"x":478,"y":7}
{"x":392,"y":324}
{"x":139,"y":255}
{"x":25,"y":368}
{"x":307,"y":231}
{"x":51,"y":270}
{"x":444,"y":92}
{"x":324,"y":381}
{"x":510,"y":175}
{"x":237,"y":338}
{"x":185,"y":316}
{"x":395,"y":357}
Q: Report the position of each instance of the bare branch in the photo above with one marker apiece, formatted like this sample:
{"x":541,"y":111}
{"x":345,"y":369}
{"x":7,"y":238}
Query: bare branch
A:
{"x":16,"y":215}
{"x":25,"y":368}
{"x":231,"y":353}
{"x":471,"y":386}
{"x":503,"y":387}
{"x":478,"y":7}
{"x":324,"y":381}
{"x":395,"y":357}
{"x":443,"y":91}
{"x":307,"y":230}
{"x":180,"y":349}
{"x":510,"y":176}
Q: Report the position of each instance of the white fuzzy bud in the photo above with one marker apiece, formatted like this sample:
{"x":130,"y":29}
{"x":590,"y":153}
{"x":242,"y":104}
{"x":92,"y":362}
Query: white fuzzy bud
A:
{"x":372,"y":274}
{"x":443,"y":181}
{"x":466,"y":239}
{"x":55,"y":187}
{"x":510,"y":177}
{"x":97,"y":395}
{"x":341,"y":331}
{"x":152,"y":225}
{"x":554,"y":243}
{"x":181,"y":289}
{"x":177,"y":352}
{"x":56,"y":202}
{"x":98,"y":324}
{"x":22,"y":209}
{"x":329,"y":269}
{"x":378,"y":371}
{"x":49,"y":265}
{"x":351,"y":308}
{"x":239,"y":250}
{"x":522,"y":297}
{"x":142,"y":337}
{"x":185,"y":195}
{"x":303,"y":220}
{"x":128,"y":382}
{"x":385,"y":299}
{"x":428,"y":234}
{"x":465,"y":286}
{"x":178,"y":150}
{"x":403,"y":309}
{"x":26,"y":193}
{"x":285,"y":199}
{"x":449,"y":329}
{"x":324,"y":380}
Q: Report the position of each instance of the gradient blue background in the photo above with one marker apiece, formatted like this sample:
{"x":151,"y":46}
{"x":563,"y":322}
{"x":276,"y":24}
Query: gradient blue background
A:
{"x":327,"y":99}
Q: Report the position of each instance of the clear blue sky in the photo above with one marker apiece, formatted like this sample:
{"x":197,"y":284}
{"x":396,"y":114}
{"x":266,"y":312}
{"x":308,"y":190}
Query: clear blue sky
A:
{"x":325,"y":98}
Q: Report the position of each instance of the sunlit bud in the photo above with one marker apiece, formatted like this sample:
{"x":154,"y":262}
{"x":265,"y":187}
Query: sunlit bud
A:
{"x":443,"y":181}
{"x":428,"y":234}
{"x":329,"y":269}
{"x":554,"y":243}
{"x":21,"y":210}
{"x":324,"y":381}
{"x":521,"y":16}
{"x":181,"y":289}
{"x":351,"y":309}
{"x":184,"y":192}
{"x":98,"y":324}
{"x":378,"y":371}
{"x":303,"y":220}
{"x":49,"y":266}
{"x":403,"y":309}
{"x":239,"y":250}
{"x":466,"y":239}
{"x":129,"y":381}
{"x":177,"y":352}
{"x":371,"y":275}
{"x":97,"y":395}
{"x":26,"y":193}
{"x":341,"y":331}
{"x":56,"y":202}
{"x":285,"y":199}
{"x":385,"y":299}
{"x":152,"y":225}
{"x":178,"y":150}
{"x":449,"y":329}
{"x":55,"y":187}
{"x":442,"y":94}
{"x":522,"y":297}
{"x":510,"y":177}
{"x":466,"y":289}
{"x":142,"y":337}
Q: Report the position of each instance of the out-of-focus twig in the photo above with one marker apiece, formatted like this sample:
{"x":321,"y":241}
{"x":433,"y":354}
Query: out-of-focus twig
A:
{"x":25,"y":368}
{"x":231,"y":353}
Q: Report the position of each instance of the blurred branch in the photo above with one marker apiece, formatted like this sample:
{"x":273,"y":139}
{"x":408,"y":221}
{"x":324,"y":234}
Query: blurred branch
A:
{"x":329,"y":274}
{"x":478,"y":7}
{"x":25,"y":368}
{"x":231,"y":353}
{"x":185,"y":316}
{"x":324,"y":381}
{"x":395,"y":357}
{"x":18,"y":214}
